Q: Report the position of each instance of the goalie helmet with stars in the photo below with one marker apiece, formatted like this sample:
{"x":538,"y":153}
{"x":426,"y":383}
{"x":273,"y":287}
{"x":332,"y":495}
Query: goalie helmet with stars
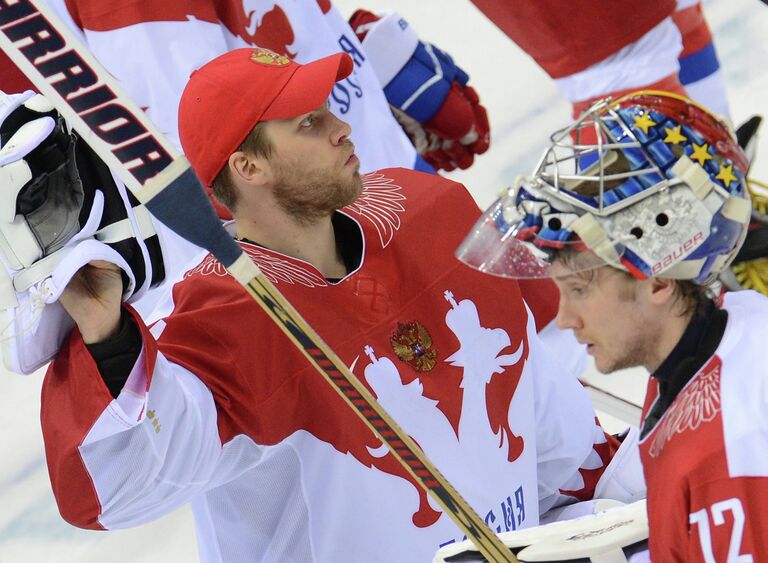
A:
{"x":650,"y":183}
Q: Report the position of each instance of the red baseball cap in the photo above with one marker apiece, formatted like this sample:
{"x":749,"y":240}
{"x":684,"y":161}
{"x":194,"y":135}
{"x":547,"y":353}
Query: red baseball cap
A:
{"x":225,"y":99}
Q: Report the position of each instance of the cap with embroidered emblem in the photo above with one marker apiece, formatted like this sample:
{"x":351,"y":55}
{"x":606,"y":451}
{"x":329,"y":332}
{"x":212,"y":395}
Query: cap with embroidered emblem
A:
{"x":225,"y":99}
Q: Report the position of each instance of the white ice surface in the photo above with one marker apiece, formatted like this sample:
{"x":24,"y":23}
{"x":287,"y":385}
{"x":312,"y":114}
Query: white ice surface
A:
{"x":524,"y":107}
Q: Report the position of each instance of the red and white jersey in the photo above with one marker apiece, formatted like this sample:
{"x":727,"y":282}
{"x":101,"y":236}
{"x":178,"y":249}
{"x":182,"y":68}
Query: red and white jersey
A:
{"x":638,"y":47}
{"x":706,"y":460}
{"x":562,"y":35}
{"x":221,"y":410}
{"x":153,"y":47}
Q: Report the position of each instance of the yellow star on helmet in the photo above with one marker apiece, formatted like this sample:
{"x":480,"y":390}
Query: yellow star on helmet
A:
{"x":644,"y":122}
{"x":700,"y":153}
{"x":674,"y":135}
{"x":726,"y":175}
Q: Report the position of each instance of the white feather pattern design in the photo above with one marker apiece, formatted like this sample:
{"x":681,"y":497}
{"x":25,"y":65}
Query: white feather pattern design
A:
{"x":276,"y":268}
{"x":697,"y":403}
{"x":381,"y":204}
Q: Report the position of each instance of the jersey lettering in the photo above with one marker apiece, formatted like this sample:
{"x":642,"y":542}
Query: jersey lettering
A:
{"x":510,"y":515}
{"x":349,"y":47}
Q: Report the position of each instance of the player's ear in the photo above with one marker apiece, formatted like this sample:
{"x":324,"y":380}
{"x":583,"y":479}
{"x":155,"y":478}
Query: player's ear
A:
{"x":253,"y":170}
{"x":661,"y":290}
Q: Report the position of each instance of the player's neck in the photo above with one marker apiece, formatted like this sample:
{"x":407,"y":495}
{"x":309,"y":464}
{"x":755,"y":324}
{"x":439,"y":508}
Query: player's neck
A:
{"x":668,"y":334}
{"x":313,"y":242}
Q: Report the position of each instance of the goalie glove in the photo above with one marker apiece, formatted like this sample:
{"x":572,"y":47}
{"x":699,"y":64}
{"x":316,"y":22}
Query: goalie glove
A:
{"x":62,"y":209}
{"x":427,"y":91}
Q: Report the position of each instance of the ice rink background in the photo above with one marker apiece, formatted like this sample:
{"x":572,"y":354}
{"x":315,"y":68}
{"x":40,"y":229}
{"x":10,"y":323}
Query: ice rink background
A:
{"x":524,"y":107}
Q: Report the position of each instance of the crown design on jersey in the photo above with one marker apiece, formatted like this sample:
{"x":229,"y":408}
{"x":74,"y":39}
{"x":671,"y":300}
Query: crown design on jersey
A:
{"x":413,"y":344}
{"x":267,"y":57}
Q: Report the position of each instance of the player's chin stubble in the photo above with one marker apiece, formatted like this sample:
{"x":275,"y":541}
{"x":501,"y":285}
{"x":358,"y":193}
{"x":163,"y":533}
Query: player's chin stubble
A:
{"x":310,"y":196}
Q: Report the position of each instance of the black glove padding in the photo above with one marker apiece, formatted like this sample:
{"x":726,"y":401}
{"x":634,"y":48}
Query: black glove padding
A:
{"x":70,"y":193}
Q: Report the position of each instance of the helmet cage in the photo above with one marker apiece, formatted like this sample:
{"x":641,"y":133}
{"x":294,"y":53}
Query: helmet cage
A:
{"x":651,"y":183}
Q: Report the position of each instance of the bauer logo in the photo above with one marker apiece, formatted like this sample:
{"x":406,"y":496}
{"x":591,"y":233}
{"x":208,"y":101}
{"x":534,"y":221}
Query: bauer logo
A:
{"x":683,"y":250}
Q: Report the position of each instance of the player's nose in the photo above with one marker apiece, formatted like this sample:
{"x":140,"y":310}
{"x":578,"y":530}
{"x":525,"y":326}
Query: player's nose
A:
{"x":340,"y":130}
{"x":566,"y":316}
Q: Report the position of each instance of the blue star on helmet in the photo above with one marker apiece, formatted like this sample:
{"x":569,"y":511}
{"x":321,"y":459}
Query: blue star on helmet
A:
{"x":643,"y":122}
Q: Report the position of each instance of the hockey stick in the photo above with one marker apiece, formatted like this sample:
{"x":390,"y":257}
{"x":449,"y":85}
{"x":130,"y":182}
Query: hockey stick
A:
{"x":118,"y":131}
{"x":612,"y":404}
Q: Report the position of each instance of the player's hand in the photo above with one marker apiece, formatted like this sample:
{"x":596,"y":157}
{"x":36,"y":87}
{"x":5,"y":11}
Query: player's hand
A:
{"x":428,"y":92}
{"x":92,"y":298}
{"x":457,"y":132}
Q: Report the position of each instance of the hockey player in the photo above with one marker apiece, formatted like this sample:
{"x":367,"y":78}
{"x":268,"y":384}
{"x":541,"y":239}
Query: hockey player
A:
{"x":648,"y":44}
{"x":152,"y":47}
{"x":212,"y":406}
{"x":631,"y":231}
{"x":595,"y":50}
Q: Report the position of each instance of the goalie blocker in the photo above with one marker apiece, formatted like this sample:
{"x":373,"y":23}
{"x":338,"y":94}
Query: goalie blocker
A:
{"x":63,"y":209}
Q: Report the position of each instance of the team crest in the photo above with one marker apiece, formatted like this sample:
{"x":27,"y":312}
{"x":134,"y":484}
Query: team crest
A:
{"x":267,"y":57}
{"x":413,"y":345}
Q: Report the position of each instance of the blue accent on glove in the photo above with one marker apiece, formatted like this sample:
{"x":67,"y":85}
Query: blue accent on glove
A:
{"x":423,"y":166}
{"x":424,"y":66}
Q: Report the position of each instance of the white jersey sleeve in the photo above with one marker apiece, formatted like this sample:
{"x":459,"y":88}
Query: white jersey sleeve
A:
{"x":573,"y":450}
{"x":121,"y":462}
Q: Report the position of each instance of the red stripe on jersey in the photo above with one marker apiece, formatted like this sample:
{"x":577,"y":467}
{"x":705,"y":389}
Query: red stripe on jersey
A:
{"x":12,"y":79}
{"x":73,"y":397}
{"x":542,"y":297}
{"x":694,"y":29}
{"x":669,"y":83}
{"x":561,"y":35}
{"x":97,"y":15}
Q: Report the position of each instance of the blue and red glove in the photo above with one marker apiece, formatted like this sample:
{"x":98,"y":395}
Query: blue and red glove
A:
{"x":427,"y":91}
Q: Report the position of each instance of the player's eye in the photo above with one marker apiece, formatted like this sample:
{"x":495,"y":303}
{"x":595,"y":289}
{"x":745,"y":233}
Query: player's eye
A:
{"x":307,"y":121}
{"x":577,"y":290}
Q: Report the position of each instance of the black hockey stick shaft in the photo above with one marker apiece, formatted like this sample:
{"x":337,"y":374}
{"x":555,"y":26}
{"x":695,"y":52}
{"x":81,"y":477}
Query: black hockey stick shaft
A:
{"x":152,"y":168}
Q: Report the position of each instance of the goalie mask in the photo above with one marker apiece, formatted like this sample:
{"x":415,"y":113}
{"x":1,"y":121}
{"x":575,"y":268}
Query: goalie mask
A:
{"x":660,"y":193}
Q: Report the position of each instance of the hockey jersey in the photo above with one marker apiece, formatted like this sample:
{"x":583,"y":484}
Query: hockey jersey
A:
{"x":152,"y":47}
{"x":705,"y":459}
{"x":565,"y":37}
{"x":222,"y":411}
